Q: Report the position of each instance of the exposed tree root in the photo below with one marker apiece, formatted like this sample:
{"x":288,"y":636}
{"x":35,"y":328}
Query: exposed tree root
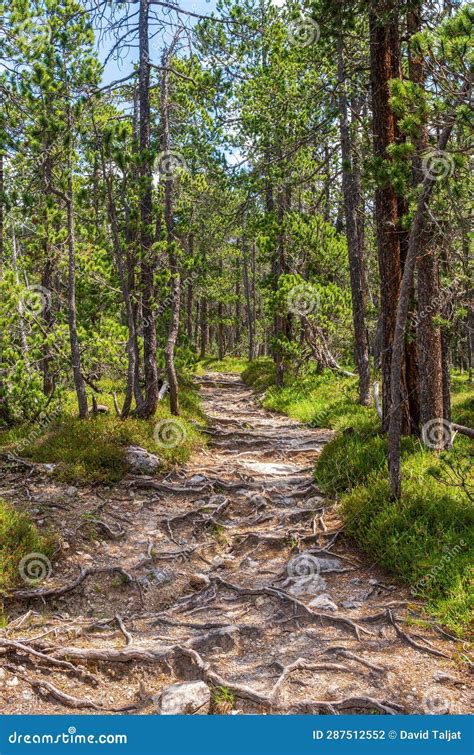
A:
{"x":68,"y":700}
{"x":297,"y":604}
{"x":57,"y":591}
{"x":12,"y":646}
{"x":404,"y":636}
{"x":272,"y":700}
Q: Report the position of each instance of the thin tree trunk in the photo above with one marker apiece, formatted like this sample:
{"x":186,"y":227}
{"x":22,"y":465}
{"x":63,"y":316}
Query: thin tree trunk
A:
{"x":354,"y":242}
{"x":148,"y":407}
{"x":123,"y":278}
{"x":21,"y":313}
{"x":248,"y":302}
{"x":172,"y":255}
{"x":5,"y":415}
{"x":79,"y":382}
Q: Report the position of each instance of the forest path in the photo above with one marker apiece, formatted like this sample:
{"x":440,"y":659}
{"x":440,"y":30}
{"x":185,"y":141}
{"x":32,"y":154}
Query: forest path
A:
{"x":233,"y":570}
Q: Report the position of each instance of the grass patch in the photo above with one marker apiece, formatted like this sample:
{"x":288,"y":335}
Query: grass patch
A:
{"x":235,"y":365}
{"x":426,"y":539}
{"x":92,"y":450}
{"x":18,"y":538}
{"x":223,"y":700}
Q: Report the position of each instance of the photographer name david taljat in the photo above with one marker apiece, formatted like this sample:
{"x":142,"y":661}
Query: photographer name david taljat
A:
{"x":446,"y":734}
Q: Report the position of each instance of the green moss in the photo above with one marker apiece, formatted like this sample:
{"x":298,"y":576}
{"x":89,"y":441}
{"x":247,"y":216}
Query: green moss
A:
{"x":18,"y":538}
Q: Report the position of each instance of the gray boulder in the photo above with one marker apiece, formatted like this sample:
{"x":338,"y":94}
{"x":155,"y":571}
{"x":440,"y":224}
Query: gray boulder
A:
{"x":141,"y":461}
{"x":191,"y":698}
{"x":323,"y":602}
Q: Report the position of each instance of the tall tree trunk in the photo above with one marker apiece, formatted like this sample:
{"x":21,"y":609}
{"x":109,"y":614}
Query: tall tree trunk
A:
{"x":248,"y":302}
{"x":123,"y":278}
{"x":352,"y":206}
{"x":428,"y":332}
{"x":384,"y":65}
{"x":5,"y":414}
{"x":172,"y":253}
{"x":417,"y":230}
{"x":238,"y":312}
{"x":148,"y":407}
{"x":21,"y":312}
{"x":79,"y":382}
{"x":220,"y":321}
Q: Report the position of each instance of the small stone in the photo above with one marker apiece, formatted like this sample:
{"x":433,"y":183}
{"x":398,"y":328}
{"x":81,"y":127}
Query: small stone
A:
{"x":196,"y":479}
{"x":2,"y":673}
{"x":65,"y":545}
{"x":13,"y":682}
{"x":442,"y":676}
{"x":351,"y":604}
{"x":141,"y":461}
{"x":329,"y":564}
{"x":323,"y":602}
{"x":310,"y":585}
{"x":189,"y":698}
{"x":26,"y":694}
{"x":332,"y":692}
{"x":70,"y":491}
{"x":199,"y":581}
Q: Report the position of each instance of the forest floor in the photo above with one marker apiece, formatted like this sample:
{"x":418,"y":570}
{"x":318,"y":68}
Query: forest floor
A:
{"x":233,"y":569}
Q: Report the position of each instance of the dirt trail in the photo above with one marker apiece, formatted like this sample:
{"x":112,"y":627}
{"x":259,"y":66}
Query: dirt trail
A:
{"x":233,"y":570}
